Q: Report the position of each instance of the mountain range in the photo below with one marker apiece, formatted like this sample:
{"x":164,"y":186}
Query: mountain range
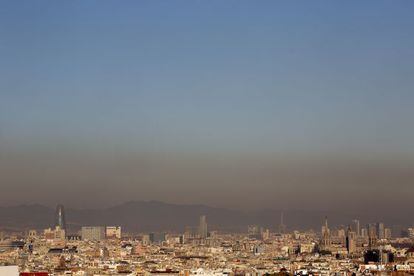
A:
{"x":145,"y":216}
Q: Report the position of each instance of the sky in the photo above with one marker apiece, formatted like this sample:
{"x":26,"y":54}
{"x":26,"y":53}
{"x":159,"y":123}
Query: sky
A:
{"x":239,"y":104}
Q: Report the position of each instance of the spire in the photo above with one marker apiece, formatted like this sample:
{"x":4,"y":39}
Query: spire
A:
{"x":60,"y":219}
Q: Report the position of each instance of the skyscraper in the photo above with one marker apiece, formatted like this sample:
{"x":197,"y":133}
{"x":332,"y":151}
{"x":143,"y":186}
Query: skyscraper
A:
{"x":202,"y":228}
{"x":60,"y":219}
{"x":356,"y":227}
{"x":350,"y":241}
{"x":372,"y":236}
{"x":380,"y":230}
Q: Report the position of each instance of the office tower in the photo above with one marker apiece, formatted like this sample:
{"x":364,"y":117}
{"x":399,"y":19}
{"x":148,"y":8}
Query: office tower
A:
{"x":380,"y":230}
{"x":372,"y":236}
{"x":113,"y":232}
{"x":350,"y":241}
{"x":93,"y":233}
{"x":341,"y":235}
{"x":282,"y":226}
{"x":60,"y":219}
{"x":326,"y":236}
{"x":364,"y":232}
{"x":202,"y":227}
{"x":356,"y":227}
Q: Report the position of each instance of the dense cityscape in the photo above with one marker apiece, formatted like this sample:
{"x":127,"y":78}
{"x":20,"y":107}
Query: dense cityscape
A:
{"x":354,"y":249}
{"x":206,"y":138}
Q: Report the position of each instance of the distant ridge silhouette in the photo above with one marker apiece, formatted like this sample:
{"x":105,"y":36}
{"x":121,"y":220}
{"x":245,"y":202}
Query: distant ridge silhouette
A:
{"x":144,"y":216}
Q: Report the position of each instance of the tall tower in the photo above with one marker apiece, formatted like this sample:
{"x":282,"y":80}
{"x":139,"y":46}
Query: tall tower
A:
{"x":356,"y":227}
{"x":282,"y":226}
{"x":380,"y":230}
{"x":60,"y":219}
{"x":350,"y":241}
{"x":326,"y":236}
{"x":372,"y":236}
{"x":202,"y":227}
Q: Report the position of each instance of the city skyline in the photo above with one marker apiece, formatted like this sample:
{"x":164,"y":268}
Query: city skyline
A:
{"x":201,"y":250}
{"x":206,"y":138}
{"x":135,"y":217}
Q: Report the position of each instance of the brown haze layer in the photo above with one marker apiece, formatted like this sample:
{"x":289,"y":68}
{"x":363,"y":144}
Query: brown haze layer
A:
{"x":83,"y":179}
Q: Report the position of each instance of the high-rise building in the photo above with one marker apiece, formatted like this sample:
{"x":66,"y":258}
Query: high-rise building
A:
{"x":350,"y":241}
{"x":326,"y":236}
{"x":372,"y":236}
{"x":60,"y":219}
{"x":202,"y":227}
{"x":356,"y":227}
{"x":93,"y":233}
{"x":380,"y":230}
{"x":364,"y":232}
{"x":341,"y":234}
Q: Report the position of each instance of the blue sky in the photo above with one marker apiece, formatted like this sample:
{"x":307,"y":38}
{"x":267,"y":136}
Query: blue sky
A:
{"x":214,"y":74}
{"x":291,"y":77}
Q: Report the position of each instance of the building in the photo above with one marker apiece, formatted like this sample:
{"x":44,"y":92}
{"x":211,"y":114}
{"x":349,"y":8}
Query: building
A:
{"x":350,"y":241}
{"x":57,"y":234}
{"x":11,"y":244}
{"x":258,"y":249}
{"x":380,"y":230}
{"x":326,"y":236}
{"x":145,"y":240}
{"x":157,"y":237}
{"x":356,"y":227}
{"x":364,"y":232}
{"x":341,"y":234}
{"x":60,"y":219}
{"x":202,"y":228}
{"x":372,"y":236}
{"x":253,"y":229}
{"x":306,"y":247}
{"x":410,"y":232}
{"x":32,"y":234}
{"x":93,"y":233}
{"x":113,"y":232}
{"x":388,"y":233}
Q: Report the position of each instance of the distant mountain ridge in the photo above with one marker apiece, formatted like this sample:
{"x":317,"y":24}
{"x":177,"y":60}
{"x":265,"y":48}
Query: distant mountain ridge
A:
{"x":144,"y":216}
